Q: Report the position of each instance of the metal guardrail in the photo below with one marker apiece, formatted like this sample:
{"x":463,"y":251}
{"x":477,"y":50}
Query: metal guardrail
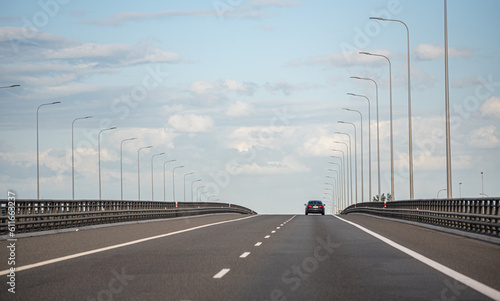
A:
{"x":38,"y":215}
{"x":480,"y":215}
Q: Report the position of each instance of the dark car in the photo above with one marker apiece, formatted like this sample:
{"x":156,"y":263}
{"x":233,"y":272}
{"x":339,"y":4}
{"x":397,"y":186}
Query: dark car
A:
{"x":315,"y":207}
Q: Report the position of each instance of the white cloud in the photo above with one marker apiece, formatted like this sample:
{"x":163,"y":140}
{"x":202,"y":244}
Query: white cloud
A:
{"x":466,"y":82}
{"x":484,"y":137}
{"x":286,"y":166}
{"x":491,"y":107}
{"x":427,"y":52}
{"x":248,"y":10}
{"x":285,"y":87}
{"x":42,"y":59}
{"x":343,"y":59}
{"x":239,"y":108}
{"x":201,"y":87}
{"x":320,"y":144}
{"x":167,"y":110}
{"x":191,"y":123}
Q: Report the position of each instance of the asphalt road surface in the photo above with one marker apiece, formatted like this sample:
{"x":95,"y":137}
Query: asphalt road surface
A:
{"x":263,"y":257}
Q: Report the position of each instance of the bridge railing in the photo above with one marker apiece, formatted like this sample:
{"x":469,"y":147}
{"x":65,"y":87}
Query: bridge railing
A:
{"x":38,"y":215}
{"x":479,"y":215}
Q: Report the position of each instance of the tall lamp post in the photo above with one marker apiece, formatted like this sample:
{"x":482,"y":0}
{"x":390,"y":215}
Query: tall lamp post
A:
{"x":335,"y":182}
{"x":192,"y":192}
{"x":345,"y":185}
{"x":369,"y":134}
{"x":410,"y":139}
{"x":340,"y":177}
{"x":11,"y":86}
{"x":38,"y":151}
{"x":339,"y":188}
{"x":152,"y":176}
{"x":355,"y":161}
{"x":187,"y":174}
{"x":369,"y":141}
{"x":349,"y":166}
{"x":362,"y":156}
{"x":173,"y":182}
{"x":121,"y":165}
{"x":139,"y":171}
{"x":482,"y":184}
{"x":447,"y":105}
{"x":73,"y":156}
{"x":99,"y":153}
{"x":390,"y":117}
{"x":198,"y":199}
{"x":164,"y":180}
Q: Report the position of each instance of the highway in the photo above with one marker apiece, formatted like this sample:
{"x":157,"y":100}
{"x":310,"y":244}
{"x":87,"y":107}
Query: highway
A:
{"x":262,"y":257}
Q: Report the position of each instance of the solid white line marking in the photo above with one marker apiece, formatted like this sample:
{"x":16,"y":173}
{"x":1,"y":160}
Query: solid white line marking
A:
{"x":267,"y":236}
{"x":258,"y":244}
{"x":244,"y":255}
{"x":221,"y":273}
{"x":474,"y":284}
{"x":38,"y":264}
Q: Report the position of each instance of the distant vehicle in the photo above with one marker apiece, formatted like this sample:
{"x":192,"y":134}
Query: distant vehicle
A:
{"x":315,"y":207}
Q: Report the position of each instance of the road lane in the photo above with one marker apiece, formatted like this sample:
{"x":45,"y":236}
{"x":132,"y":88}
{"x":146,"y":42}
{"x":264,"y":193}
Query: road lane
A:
{"x":307,"y":258}
{"x":477,"y":259}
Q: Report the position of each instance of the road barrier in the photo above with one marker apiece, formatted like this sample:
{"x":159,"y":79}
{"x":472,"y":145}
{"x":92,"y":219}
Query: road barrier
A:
{"x":479,"y":215}
{"x":39,"y":215}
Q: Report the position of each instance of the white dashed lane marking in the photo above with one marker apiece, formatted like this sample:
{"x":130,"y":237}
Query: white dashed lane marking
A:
{"x":258,"y":244}
{"x":221,"y":273}
{"x":267,"y":236}
{"x":244,"y":255}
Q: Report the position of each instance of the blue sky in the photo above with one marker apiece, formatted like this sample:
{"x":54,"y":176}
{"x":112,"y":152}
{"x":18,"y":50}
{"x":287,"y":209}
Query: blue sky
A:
{"x":246,"y":94}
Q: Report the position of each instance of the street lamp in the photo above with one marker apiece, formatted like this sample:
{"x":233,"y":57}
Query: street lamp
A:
{"x":198,"y":198}
{"x":482,"y":183}
{"x":173,"y":182}
{"x":37,"y":150}
{"x":391,"y":131}
{"x":11,"y":86}
{"x":362,"y":156}
{"x":410,"y":144}
{"x":192,"y":192}
{"x":99,"y":153}
{"x":187,"y":174}
{"x":460,"y":189}
{"x":447,"y":104}
{"x":355,"y":161}
{"x":139,"y":171}
{"x":337,"y":173}
{"x":369,"y":134}
{"x":121,"y":165}
{"x":335,"y":182}
{"x":369,"y":142}
{"x":344,"y":172}
{"x":349,"y":164}
{"x":152,"y":177}
{"x":164,"y":180}
{"x":339,"y":176}
{"x":333,"y":194}
{"x":439,"y":192}
{"x":73,"y":156}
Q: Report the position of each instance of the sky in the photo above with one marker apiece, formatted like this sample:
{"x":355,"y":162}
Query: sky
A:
{"x":246,"y":95}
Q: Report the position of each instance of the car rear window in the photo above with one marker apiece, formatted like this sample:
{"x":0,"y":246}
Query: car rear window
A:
{"x":315,"y":203}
